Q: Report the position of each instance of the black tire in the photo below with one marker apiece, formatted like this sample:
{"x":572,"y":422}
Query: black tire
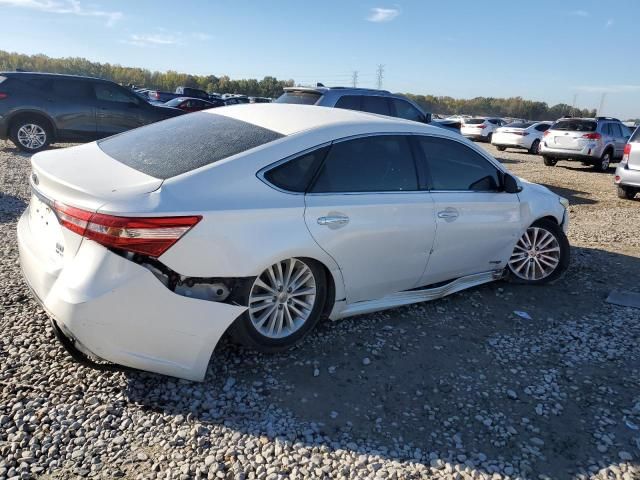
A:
{"x":549,"y":162}
{"x":39,"y":124}
{"x":489,"y":137}
{"x":535,"y":147}
{"x":564,"y":259}
{"x":604,"y":163}
{"x":245,"y":332}
{"x":501,"y":149}
{"x":627,"y":193}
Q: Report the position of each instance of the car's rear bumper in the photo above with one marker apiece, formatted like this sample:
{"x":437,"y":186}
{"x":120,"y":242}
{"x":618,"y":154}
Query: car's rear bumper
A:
{"x":586,"y":154}
{"x":473,"y":134}
{"x":117,"y":310}
{"x":627,"y":177}
{"x":511,"y":142}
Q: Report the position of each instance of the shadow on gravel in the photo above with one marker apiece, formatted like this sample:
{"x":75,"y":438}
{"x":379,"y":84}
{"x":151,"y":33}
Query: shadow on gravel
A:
{"x":575,"y":197}
{"x":11,"y":207}
{"x":462,"y":381}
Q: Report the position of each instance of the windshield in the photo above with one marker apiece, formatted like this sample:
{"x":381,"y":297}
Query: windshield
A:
{"x":474,"y":121}
{"x":575,"y":125}
{"x":299,"y":97}
{"x":181,"y":144}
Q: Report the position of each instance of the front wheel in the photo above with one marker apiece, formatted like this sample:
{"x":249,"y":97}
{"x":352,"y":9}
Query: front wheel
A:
{"x":284,"y":303}
{"x":489,"y":137}
{"x":501,"y":149}
{"x":541,"y":254}
{"x":549,"y":162}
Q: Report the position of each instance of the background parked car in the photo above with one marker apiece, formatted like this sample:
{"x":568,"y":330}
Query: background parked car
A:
{"x":364,"y":100}
{"x":526,"y":135}
{"x":592,"y":141}
{"x":234,"y":99}
{"x":37,"y":109}
{"x":158,"y":96}
{"x":481,"y":128}
{"x":192,"y":92}
{"x":193,"y":104}
{"x":627,"y":176}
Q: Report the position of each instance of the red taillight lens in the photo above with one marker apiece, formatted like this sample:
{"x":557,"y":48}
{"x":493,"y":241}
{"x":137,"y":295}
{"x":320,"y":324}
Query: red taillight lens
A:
{"x":3,"y":96}
{"x":146,"y":235}
{"x":592,"y":136}
{"x":627,"y":149}
{"x":546,"y":132}
{"x":482,"y":125}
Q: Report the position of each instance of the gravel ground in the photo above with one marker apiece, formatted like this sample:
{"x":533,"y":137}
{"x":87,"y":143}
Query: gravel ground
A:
{"x":458,"y":388}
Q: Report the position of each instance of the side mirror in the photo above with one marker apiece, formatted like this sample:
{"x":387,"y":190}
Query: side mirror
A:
{"x":510,"y":184}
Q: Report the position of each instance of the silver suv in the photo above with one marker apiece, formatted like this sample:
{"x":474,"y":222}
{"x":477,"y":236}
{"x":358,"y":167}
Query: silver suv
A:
{"x":364,"y":100}
{"x":592,"y":141}
{"x":628,"y":172}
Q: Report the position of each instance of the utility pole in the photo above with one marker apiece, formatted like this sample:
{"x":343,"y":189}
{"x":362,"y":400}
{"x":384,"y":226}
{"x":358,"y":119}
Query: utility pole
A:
{"x":604,"y":95}
{"x":380,"y":74}
{"x":573,"y":106}
{"x":355,"y":79}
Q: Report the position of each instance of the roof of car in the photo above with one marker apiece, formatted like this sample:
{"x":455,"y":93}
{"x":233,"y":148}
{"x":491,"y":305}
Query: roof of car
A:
{"x":289,"y":119}
{"x":56,"y":75}
{"x":341,"y":89}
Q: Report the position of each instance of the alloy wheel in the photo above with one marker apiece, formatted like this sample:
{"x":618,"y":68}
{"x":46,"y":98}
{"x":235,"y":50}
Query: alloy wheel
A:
{"x":282,"y":298}
{"x":536,"y":255}
{"x":32,"y":136}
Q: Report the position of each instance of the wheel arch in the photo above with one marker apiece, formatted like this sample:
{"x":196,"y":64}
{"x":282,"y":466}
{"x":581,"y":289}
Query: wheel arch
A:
{"x":33,"y":113}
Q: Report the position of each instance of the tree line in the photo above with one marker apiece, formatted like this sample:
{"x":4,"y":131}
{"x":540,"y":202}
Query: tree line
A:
{"x":272,"y":87}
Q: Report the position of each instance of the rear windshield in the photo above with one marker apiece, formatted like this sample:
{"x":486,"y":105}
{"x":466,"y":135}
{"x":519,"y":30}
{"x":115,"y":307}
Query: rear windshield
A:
{"x":575,"y":125}
{"x":519,"y":124}
{"x":181,"y":144}
{"x":302,"y":98}
{"x":474,"y":121}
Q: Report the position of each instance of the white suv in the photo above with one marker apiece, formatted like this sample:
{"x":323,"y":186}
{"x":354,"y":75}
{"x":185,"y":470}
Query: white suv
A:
{"x":481,"y":128}
{"x":592,"y":141}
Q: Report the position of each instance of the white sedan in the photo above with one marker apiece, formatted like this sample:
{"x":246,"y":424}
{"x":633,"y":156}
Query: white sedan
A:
{"x":481,"y":128}
{"x":146,"y":247}
{"x":523,"y":135}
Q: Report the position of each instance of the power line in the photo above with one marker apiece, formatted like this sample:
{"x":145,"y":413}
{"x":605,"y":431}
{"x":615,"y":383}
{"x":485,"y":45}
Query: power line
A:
{"x":380,"y":74}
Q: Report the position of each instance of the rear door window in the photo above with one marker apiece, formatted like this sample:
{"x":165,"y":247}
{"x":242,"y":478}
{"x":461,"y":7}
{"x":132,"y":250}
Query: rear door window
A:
{"x":404,"y":109}
{"x":181,"y":144}
{"x":350,"y":102}
{"x":295,"y":175}
{"x":382,"y":163}
{"x":376,"y":104}
{"x":616,"y":131}
{"x":70,"y":89}
{"x":453,"y":166}
{"x":112,"y":93}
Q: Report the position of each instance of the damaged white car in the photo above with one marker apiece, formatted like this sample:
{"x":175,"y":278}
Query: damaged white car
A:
{"x":146,"y":247}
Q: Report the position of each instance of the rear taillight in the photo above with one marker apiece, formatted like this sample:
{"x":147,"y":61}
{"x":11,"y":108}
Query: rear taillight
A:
{"x":592,"y":136}
{"x":625,"y":155}
{"x":627,"y":149}
{"x":482,"y":125}
{"x":146,"y":235}
{"x":547,"y":132}
{"x":3,"y":95}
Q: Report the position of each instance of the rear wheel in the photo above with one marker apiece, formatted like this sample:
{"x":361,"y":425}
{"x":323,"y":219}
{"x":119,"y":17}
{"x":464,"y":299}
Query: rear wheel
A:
{"x":285,"y":303}
{"x":489,"y":137}
{"x":535,"y":147}
{"x":541,"y":255}
{"x":550,"y":162}
{"x":627,"y":193}
{"x":501,"y":149}
{"x":30,"y":134}
{"x":604,"y":162}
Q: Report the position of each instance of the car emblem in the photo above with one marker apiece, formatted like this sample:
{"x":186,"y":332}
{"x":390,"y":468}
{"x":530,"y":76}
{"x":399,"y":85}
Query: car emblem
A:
{"x":35,"y":179}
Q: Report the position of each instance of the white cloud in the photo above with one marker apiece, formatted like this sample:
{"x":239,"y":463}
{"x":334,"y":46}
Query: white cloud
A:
{"x":580,"y":13}
{"x":609,"y":23}
{"x":608,"y":88}
{"x":65,"y":7}
{"x":378,"y":15}
{"x":164,"y":38}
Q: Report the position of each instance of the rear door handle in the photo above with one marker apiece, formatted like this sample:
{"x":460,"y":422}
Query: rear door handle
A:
{"x":333,"y":220}
{"x":448,"y":214}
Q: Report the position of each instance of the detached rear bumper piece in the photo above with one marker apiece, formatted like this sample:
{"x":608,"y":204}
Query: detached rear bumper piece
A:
{"x":117,"y":310}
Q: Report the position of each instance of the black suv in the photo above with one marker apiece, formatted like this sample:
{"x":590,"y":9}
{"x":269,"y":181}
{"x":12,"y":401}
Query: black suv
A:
{"x":37,"y":109}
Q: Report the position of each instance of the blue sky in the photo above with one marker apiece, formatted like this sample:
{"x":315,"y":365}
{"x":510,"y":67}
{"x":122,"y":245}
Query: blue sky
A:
{"x":542,"y":49}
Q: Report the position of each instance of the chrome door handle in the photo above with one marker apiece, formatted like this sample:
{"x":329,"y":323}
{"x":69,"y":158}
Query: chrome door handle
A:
{"x":448,"y":214}
{"x":333,"y":220}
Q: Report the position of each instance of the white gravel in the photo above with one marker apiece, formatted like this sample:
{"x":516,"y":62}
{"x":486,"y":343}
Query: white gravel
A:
{"x":459,"y":388}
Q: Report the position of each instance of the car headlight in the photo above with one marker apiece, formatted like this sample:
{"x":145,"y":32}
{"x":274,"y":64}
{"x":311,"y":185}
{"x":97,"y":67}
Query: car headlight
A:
{"x":564,"y":202}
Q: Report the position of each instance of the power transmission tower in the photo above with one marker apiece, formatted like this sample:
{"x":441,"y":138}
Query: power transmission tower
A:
{"x":604,"y":95}
{"x":573,"y":107}
{"x":355,"y":78}
{"x":380,"y":74}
